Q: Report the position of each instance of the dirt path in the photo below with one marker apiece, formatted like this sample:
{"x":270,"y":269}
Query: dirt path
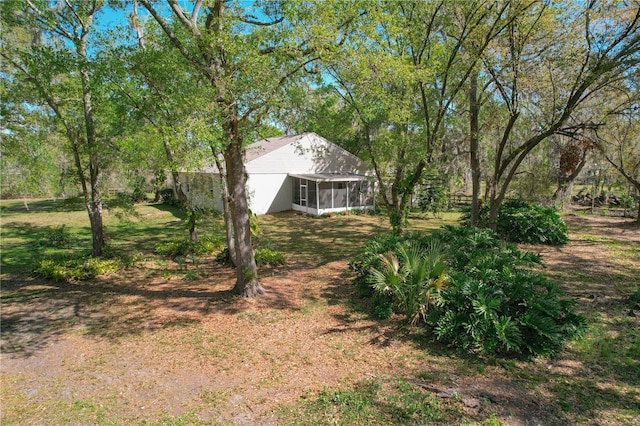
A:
{"x":171,"y":347}
{"x":138,"y":346}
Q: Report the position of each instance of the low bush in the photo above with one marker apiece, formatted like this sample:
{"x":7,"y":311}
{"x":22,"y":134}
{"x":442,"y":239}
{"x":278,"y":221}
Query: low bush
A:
{"x":493,"y":301}
{"x":411,"y":275}
{"x":263,"y":256}
{"x":496,"y":303}
{"x":184,"y":247}
{"x":78,"y":269}
{"x":529,"y":223}
{"x":167,"y":197}
{"x":369,"y":259}
{"x":56,"y":236}
{"x":223,"y":257}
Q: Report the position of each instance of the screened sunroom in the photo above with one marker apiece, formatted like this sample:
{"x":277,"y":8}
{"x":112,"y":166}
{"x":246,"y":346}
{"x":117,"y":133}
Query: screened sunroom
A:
{"x":317,"y":194}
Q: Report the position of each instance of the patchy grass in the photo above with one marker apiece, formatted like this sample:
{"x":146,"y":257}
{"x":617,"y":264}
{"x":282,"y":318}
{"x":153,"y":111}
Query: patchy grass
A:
{"x":25,"y":233}
{"x":147,"y":346}
{"x":338,"y":237}
{"x":372,"y":401}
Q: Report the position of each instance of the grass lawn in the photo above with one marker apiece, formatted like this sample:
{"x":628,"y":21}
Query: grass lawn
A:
{"x":165,"y":341}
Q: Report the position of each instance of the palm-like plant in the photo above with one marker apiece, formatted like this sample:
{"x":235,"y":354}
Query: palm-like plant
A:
{"x":412,"y":275}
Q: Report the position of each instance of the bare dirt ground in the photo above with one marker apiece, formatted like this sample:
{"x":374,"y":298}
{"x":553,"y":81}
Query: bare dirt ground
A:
{"x":144,"y":346}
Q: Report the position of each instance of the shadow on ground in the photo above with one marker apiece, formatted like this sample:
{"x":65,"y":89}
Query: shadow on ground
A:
{"x":37,"y":312}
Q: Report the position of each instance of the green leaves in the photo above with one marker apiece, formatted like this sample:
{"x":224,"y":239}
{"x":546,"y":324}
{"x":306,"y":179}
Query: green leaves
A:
{"x":495,"y":306}
{"x":412,"y":275}
{"x":529,"y":223}
{"x":493,"y":302}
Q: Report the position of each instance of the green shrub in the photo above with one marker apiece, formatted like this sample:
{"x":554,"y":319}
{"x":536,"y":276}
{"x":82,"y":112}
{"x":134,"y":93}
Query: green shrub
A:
{"x":529,"y":223}
{"x":137,"y":185}
{"x":167,"y":197}
{"x":627,"y":200}
{"x":411,"y":275}
{"x":78,"y":269}
{"x":496,"y":303}
{"x":184,"y":247}
{"x":370,"y":258}
{"x":382,"y":306}
{"x":364,"y":212}
{"x":493,"y":301}
{"x":263,"y":256}
{"x":56,"y":236}
{"x":223,"y":257}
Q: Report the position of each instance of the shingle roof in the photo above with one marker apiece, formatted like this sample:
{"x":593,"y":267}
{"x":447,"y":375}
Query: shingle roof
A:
{"x":265,"y":146}
{"x":258,"y":149}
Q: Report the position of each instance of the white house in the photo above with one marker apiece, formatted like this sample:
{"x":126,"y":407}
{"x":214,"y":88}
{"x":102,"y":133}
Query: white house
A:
{"x":302,"y":172}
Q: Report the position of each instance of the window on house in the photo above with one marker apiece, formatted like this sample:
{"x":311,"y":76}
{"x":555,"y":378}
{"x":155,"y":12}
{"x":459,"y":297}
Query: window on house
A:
{"x":339,"y":194}
{"x":354,"y":194}
{"x":324,"y":195}
{"x":311,"y":194}
{"x":296,"y":191}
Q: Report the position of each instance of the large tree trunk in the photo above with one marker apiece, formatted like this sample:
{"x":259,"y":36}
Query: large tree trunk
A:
{"x":562,"y":194}
{"x":247,"y":283}
{"x":397,"y":217}
{"x":97,"y":229}
{"x":474,"y":148}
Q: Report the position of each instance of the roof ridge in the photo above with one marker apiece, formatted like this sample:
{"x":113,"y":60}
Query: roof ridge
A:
{"x":268,"y":145}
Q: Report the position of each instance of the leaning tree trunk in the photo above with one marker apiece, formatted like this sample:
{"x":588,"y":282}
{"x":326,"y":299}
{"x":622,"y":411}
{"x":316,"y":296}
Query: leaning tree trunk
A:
{"x":474,"y":148}
{"x":94,"y":199}
{"x":226,"y":209}
{"x":247,"y":283}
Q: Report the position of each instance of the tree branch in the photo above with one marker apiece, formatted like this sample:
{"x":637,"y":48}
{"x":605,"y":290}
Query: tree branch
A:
{"x":252,"y":20}
{"x":56,"y":28}
{"x":172,"y":36}
{"x":189,"y":23}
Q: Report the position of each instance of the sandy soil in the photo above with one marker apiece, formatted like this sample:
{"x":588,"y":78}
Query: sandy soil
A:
{"x":144,"y":345}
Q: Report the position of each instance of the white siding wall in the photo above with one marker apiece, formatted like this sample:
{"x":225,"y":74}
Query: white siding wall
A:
{"x":269,"y":188}
{"x":310,"y":154}
{"x":269,"y":193}
{"x":202,"y":189}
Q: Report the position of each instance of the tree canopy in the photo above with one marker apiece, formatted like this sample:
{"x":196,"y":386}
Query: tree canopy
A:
{"x":507,"y":94}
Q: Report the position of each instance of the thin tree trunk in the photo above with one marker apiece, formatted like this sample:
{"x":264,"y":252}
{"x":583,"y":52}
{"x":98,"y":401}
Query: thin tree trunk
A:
{"x":193,"y":226}
{"x":474,"y":145}
{"x":94,"y":199}
{"x":224,"y":195}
